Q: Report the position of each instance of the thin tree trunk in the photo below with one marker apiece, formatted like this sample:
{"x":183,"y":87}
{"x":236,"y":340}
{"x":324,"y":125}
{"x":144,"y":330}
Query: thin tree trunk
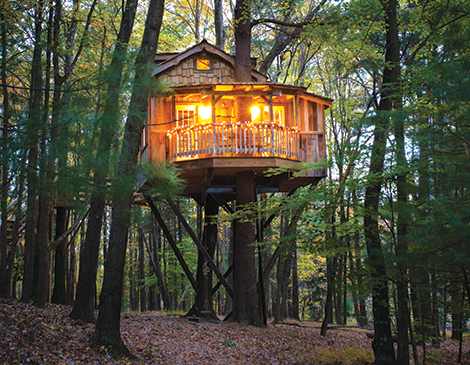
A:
{"x":35,"y":104}
{"x":329,"y":298}
{"x":156,"y":267}
{"x":9,"y":279}
{"x":143,"y":288}
{"x":295,"y":287}
{"x":4,"y":279}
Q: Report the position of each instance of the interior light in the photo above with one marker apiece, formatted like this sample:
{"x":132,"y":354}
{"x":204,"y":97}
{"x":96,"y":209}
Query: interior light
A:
{"x":205,"y":111}
{"x":255,"y":112}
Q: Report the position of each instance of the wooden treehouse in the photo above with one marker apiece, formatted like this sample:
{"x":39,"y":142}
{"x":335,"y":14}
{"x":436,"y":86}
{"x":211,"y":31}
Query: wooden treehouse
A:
{"x":224,"y":136}
{"x":213,"y":127}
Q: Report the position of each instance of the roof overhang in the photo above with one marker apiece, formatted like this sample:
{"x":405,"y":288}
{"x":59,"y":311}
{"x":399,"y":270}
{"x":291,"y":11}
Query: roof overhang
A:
{"x":251,"y":89}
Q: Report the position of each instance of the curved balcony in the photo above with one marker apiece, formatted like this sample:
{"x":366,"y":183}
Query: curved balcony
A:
{"x":233,"y":140}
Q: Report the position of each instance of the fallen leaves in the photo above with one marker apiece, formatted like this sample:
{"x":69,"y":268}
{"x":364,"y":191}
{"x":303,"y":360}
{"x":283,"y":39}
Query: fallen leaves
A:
{"x":30,"y":335}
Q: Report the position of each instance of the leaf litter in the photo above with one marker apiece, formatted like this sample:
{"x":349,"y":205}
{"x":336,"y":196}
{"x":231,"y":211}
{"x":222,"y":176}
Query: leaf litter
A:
{"x":31,"y":335}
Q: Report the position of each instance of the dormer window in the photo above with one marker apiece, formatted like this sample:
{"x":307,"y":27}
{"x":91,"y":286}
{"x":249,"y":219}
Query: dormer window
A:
{"x":203,"y":64}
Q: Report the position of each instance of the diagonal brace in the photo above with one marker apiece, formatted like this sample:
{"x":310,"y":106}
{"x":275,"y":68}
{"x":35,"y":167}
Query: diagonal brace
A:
{"x":200,"y":247}
{"x":171,"y":240}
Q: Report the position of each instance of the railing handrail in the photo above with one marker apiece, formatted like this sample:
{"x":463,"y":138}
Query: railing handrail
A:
{"x":239,"y":139}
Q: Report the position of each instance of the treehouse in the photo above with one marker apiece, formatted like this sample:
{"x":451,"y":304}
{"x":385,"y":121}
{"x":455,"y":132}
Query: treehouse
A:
{"x":212,"y":127}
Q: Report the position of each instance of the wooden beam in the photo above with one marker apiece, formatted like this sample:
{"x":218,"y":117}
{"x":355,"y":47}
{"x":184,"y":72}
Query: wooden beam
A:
{"x":219,"y":283}
{"x":223,"y":203}
{"x":171,"y":240}
{"x":200,"y":247}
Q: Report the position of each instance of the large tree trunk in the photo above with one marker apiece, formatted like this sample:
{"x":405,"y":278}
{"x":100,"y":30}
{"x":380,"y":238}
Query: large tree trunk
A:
{"x":86,"y":287}
{"x":242,"y":31}
{"x":59,"y":293}
{"x":245,"y":303}
{"x":219,"y":23}
{"x":383,"y":343}
{"x":107,"y":331}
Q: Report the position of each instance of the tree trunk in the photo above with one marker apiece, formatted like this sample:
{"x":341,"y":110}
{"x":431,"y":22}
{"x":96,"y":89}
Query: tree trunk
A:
{"x":329,"y":298}
{"x":59,"y":293}
{"x":278,"y":298}
{"x":383,"y":343}
{"x":5,"y":148}
{"x":245,"y":303}
{"x":72,"y":268}
{"x":156,"y":264}
{"x":219,"y":23}
{"x":143,"y":288}
{"x":35,"y":103}
{"x":86,"y":288}
{"x":243,"y":66}
{"x":107,"y":331}
{"x":295,"y":287}
{"x":337,"y":275}
{"x":9,"y":278}
{"x":286,"y":274}
{"x":204,"y":274}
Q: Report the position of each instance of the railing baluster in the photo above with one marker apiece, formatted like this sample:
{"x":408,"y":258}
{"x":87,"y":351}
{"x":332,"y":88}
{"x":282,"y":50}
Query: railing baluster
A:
{"x":234,"y":139}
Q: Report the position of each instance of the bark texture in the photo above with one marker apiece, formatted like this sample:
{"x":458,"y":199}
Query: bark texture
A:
{"x":245,"y":303}
{"x":84,"y":304}
{"x":107,"y":331}
{"x":382,"y":343}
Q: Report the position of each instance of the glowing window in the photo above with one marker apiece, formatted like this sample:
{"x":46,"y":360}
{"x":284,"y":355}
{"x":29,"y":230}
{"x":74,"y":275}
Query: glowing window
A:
{"x":203,"y":64}
{"x":185,"y":115}
{"x":255,"y":113}
{"x":278,"y":114}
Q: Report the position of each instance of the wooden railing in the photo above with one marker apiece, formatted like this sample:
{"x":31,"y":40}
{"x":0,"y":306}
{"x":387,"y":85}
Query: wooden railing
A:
{"x":234,"y":140}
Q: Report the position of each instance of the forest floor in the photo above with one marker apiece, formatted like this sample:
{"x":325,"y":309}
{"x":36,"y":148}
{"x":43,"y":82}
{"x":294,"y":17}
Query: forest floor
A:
{"x":30,"y":335}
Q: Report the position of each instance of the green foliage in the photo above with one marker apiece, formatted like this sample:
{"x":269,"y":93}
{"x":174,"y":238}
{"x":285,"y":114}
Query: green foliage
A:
{"x":228,"y":343}
{"x":163,"y":179}
{"x":175,"y":313}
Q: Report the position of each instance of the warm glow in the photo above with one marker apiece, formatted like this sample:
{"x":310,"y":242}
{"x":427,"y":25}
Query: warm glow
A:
{"x":205,"y":112}
{"x":255,"y":112}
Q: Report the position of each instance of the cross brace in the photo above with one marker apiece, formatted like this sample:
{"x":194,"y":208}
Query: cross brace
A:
{"x":200,"y":247}
{"x":171,"y":240}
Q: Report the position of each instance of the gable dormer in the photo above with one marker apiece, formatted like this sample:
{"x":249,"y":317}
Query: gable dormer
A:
{"x":201,"y":64}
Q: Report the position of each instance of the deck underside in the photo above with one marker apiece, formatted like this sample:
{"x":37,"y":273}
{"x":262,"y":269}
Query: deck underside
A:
{"x":218,"y":175}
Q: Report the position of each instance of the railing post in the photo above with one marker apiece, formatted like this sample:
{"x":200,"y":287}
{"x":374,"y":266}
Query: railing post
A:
{"x":272,"y":140}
